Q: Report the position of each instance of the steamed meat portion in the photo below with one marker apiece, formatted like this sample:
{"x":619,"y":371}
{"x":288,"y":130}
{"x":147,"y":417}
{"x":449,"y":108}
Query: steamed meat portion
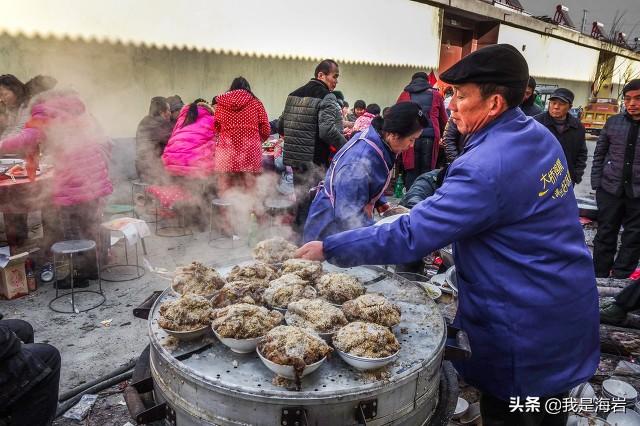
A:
{"x":189,"y":312}
{"x":289,"y":345}
{"x":309,"y":270}
{"x":274,"y":250}
{"x":244,"y":321}
{"x":316,"y":314}
{"x":286,"y":289}
{"x":257,"y":271}
{"x":197,"y":279}
{"x":372,"y":308}
{"x":366,"y":339}
{"x":249,"y":291}
{"x":338,"y":287}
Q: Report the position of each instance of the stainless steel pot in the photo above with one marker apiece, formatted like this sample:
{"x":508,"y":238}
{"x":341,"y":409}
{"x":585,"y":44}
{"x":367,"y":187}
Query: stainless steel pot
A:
{"x":218,"y":387}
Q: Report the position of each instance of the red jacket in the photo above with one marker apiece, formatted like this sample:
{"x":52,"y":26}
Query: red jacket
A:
{"x":437,"y":114}
{"x":242,"y":125}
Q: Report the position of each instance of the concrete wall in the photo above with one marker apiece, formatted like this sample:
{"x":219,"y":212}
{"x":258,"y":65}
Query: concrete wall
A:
{"x":555,"y":61}
{"x":381,"y":32}
{"x":118,"y":80}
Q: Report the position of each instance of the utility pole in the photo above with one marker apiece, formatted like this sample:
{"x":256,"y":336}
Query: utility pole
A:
{"x":584,"y":19}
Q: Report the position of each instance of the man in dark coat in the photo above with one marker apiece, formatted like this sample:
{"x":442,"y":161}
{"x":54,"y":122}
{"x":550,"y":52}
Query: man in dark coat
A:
{"x":152,"y":135}
{"x":423,"y":187}
{"x":528,"y":105}
{"x":424,"y":154}
{"x":568,"y":130}
{"x":615,"y":176}
{"x":175,"y":105}
{"x":29,"y":376}
{"x":452,"y":141}
{"x":311,"y":123}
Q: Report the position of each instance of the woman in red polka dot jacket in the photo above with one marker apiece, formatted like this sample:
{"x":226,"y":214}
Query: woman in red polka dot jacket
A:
{"x":242,"y":125}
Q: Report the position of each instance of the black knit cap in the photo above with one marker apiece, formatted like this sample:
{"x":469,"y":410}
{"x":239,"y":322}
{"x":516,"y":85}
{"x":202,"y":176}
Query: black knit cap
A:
{"x":404,"y":118}
{"x":632,"y":85}
{"x":501,"y":64}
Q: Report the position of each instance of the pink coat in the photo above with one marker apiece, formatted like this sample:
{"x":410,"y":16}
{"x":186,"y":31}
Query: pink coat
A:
{"x":73,"y":141}
{"x":191,"y":149}
{"x":362,"y":122}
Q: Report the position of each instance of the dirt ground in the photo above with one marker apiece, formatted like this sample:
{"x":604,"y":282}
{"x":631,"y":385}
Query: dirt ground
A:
{"x":89,"y":348}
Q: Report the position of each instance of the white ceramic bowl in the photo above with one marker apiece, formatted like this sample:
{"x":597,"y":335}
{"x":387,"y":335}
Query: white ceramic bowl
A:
{"x":287,"y":370}
{"x":461,"y":407}
{"x":363,"y":363}
{"x":239,"y":346}
{"x":187,"y":336}
{"x":619,"y":389}
{"x":629,"y":418}
{"x":584,"y":390}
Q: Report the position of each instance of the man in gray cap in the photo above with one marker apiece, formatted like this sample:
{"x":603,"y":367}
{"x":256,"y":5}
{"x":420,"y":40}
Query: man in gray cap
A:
{"x":527,"y":291}
{"x":568,"y":130}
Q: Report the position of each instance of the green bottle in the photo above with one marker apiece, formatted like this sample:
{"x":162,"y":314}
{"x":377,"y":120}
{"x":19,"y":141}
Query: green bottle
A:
{"x":398,"y":190}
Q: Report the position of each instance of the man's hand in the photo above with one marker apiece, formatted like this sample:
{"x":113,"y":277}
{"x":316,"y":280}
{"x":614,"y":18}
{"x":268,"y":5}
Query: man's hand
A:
{"x":313,"y":250}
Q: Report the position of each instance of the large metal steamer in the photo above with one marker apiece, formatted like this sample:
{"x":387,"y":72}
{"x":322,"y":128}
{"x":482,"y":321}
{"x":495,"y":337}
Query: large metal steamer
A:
{"x":205,"y":383}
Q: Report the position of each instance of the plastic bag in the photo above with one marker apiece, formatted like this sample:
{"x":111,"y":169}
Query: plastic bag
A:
{"x":81,"y":409}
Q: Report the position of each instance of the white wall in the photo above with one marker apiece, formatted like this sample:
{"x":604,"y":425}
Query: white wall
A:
{"x":117,"y":81}
{"x":378,"y":32}
{"x":552,"y":58}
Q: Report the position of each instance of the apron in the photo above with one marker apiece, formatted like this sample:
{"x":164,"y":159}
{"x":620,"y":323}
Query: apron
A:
{"x":328,"y":190}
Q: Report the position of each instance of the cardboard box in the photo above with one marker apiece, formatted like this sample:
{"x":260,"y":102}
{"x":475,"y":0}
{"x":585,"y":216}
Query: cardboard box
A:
{"x":13,"y":279}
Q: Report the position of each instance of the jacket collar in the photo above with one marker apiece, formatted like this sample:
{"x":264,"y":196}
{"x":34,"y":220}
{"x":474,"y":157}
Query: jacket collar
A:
{"x":315,"y":80}
{"x":628,"y":117}
{"x":547,"y":120}
{"x":476,"y":138}
{"x":372,"y":134}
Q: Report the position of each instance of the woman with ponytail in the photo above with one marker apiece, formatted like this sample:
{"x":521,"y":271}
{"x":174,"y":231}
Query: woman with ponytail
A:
{"x":190,"y":151}
{"x":360,"y":172}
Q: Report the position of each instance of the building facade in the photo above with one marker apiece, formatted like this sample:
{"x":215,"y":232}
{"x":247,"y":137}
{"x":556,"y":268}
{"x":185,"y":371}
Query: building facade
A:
{"x":120,"y":54}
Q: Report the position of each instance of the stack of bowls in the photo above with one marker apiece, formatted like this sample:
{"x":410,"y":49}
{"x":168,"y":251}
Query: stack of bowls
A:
{"x":613,"y":388}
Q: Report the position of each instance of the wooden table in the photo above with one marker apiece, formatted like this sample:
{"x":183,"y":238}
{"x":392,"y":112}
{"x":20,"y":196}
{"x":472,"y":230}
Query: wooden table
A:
{"x":23,"y":196}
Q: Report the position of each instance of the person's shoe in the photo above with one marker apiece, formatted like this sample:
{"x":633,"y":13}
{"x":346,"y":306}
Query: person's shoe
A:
{"x":612,"y":314}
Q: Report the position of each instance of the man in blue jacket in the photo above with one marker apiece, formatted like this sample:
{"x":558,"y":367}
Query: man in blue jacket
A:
{"x":527,"y":292}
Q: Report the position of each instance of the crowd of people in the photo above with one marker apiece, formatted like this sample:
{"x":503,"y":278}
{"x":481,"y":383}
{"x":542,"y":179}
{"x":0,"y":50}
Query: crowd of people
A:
{"x":485,"y":170}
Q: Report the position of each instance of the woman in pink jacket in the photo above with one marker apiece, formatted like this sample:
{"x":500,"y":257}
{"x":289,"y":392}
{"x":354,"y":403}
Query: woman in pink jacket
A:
{"x":72,"y":141}
{"x":191,"y":147}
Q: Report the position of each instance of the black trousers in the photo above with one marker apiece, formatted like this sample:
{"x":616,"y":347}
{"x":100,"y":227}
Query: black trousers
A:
{"x":423,"y":153}
{"x":629,"y":298}
{"x":38,"y":406}
{"x":496,"y":412}
{"x":614,"y":212}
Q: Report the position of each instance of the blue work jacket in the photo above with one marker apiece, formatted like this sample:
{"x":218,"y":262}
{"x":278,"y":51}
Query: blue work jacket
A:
{"x":527,"y":291}
{"x":360,"y":175}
